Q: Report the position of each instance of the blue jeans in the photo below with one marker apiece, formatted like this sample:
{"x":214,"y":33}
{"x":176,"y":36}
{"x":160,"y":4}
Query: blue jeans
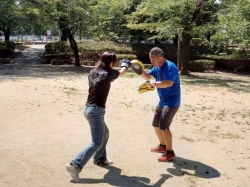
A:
{"x":99,"y":134}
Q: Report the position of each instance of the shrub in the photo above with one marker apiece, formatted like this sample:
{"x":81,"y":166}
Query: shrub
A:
{"x":138,"y":51}
{"x":57,"y":47}
{"x":201,"y":65}
{"x":128,"y":56}
{"x":100,"y":47}
{"x":240,"y":54}
{"x":201,"y":50}
{"x":244,"y":44}
{"x":11,"y":45}
{"x":6,"y":48}
{"x":196,"y":41}
{"x":216,"y":39}
{"x":233,"y":65}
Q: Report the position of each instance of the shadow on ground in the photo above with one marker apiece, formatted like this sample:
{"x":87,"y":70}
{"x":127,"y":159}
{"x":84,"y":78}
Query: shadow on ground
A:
{"x":114,"y":177}
{"x":194,"y":168}
{"x":181,"y":168}
{"x":13,"y":71}
{"x":232,"y":83}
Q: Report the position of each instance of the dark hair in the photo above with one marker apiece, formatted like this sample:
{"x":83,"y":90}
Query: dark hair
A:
{"x":157,"y":52}
{"x":106,"y":59}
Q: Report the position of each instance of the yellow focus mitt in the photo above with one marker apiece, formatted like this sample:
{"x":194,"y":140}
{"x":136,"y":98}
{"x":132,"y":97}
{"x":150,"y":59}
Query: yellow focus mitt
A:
{"x":145,"y":87}
{"x":137,"y":66}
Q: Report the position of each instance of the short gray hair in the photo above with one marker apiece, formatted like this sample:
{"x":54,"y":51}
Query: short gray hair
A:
{"x":157,"y":52}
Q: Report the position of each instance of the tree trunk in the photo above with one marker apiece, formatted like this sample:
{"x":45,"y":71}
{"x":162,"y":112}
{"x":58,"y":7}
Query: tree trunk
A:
{"x":7,"y":34}
{"x":66,"y":33}
{"x":156,"y":41}
{"x":63,"y":36}
{"x":184,"y":51}
{"x":208,"y":37}
{"x":73,"y":45}
{"x":80,"y":34}
{"x":175,"y":39}
{"x":178,"y":54}
{"x":80,"y":31}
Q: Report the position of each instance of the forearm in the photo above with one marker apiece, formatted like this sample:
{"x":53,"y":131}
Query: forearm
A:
{"x":163,"y":84}
{"x":146,"y":76}
{"x":122,"y":71}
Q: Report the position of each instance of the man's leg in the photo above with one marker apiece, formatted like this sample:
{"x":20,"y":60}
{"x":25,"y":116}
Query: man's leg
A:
{"x":156,"y":121}
{"x":159,"y":135}
{"x":167,"y":136}
{"x":169,"y":153}
{"x":165,"y":122}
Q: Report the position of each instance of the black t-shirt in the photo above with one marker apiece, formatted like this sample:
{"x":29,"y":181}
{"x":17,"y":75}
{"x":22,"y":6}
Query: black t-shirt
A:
{"x":99,"y":85}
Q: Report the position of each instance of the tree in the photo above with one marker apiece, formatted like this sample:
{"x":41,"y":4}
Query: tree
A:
{"x":21,"y":16}
{"x":234,"y":21}
{"x":168,"y":18}
{"x":106,"y":20}
{"x":7,"y":17}
{"x":68,"y":14}
{"x":30,"y":18}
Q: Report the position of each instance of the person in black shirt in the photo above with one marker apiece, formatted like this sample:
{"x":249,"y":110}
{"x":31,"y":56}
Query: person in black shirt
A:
{"x":100,"y":80}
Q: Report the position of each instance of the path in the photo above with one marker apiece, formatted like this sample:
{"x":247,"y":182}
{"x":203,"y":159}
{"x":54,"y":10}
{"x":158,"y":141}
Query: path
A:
{"x":26,"y":62}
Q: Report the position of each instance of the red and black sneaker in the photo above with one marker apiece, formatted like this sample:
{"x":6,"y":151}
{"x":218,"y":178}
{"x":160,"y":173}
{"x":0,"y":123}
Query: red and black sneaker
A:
{"x":167,"y":156}
{"x":158,"y":149}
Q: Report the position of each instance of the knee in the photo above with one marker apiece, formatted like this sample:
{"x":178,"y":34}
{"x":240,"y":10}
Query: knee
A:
{"x":97,"y":145}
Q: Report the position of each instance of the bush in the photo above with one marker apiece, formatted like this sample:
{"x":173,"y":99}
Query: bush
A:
{"x":100,"y":47}
{"x":240,"y":54}
{"x":216,"y":39}
{"x":10,"y":45}
{"x":201,"y":65}
{"x":196,"y":41}
{"x":131,"y":51}
{"x":6,"y":48}
{"x":244,"y":44}
{"x":128,"y":56}
{"x":3,"y":51}
{"x":201,"y":50}
{"x":233,"y":65}
{"x":57,"y":47}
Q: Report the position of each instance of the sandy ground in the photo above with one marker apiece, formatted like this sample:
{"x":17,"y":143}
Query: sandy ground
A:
{"x":42,"y":128}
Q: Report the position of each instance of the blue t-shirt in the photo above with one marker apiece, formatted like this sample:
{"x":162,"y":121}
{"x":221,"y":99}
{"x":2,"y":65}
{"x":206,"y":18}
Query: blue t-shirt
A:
{"x":169,"y":96}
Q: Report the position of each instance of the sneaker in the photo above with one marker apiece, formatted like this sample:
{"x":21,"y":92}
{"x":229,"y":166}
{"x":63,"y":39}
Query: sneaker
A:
{"x":73,"y":171}
{"x":106,"y":162}
{"x":166,"y":157}
{"x":158,"y":149}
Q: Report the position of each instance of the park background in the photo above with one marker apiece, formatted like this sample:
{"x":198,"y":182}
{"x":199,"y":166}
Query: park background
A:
{"x":197,"y":34}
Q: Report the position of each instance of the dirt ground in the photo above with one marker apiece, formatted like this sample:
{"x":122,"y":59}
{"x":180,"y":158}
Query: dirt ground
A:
{"x":42,"y":128}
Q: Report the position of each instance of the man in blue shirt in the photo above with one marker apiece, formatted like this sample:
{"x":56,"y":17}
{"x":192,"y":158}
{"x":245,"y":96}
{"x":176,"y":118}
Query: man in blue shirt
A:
{"x":167,"y":83}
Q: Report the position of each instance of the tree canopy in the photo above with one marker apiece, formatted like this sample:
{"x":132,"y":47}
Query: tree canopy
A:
{"x":234,"y":24}
{"x":168,"y":18}
{"x":131,"y":19}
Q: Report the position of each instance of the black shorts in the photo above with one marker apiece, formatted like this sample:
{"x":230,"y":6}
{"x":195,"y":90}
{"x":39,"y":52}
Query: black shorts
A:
{"x":164,"y":116}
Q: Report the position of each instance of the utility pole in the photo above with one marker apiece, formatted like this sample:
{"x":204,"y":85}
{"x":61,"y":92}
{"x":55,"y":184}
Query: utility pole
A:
{"x":178,"y":54}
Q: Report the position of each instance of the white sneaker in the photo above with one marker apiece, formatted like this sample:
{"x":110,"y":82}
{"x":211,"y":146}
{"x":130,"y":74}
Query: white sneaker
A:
{"x":107,"y":162}
{"x":73,"y":171}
